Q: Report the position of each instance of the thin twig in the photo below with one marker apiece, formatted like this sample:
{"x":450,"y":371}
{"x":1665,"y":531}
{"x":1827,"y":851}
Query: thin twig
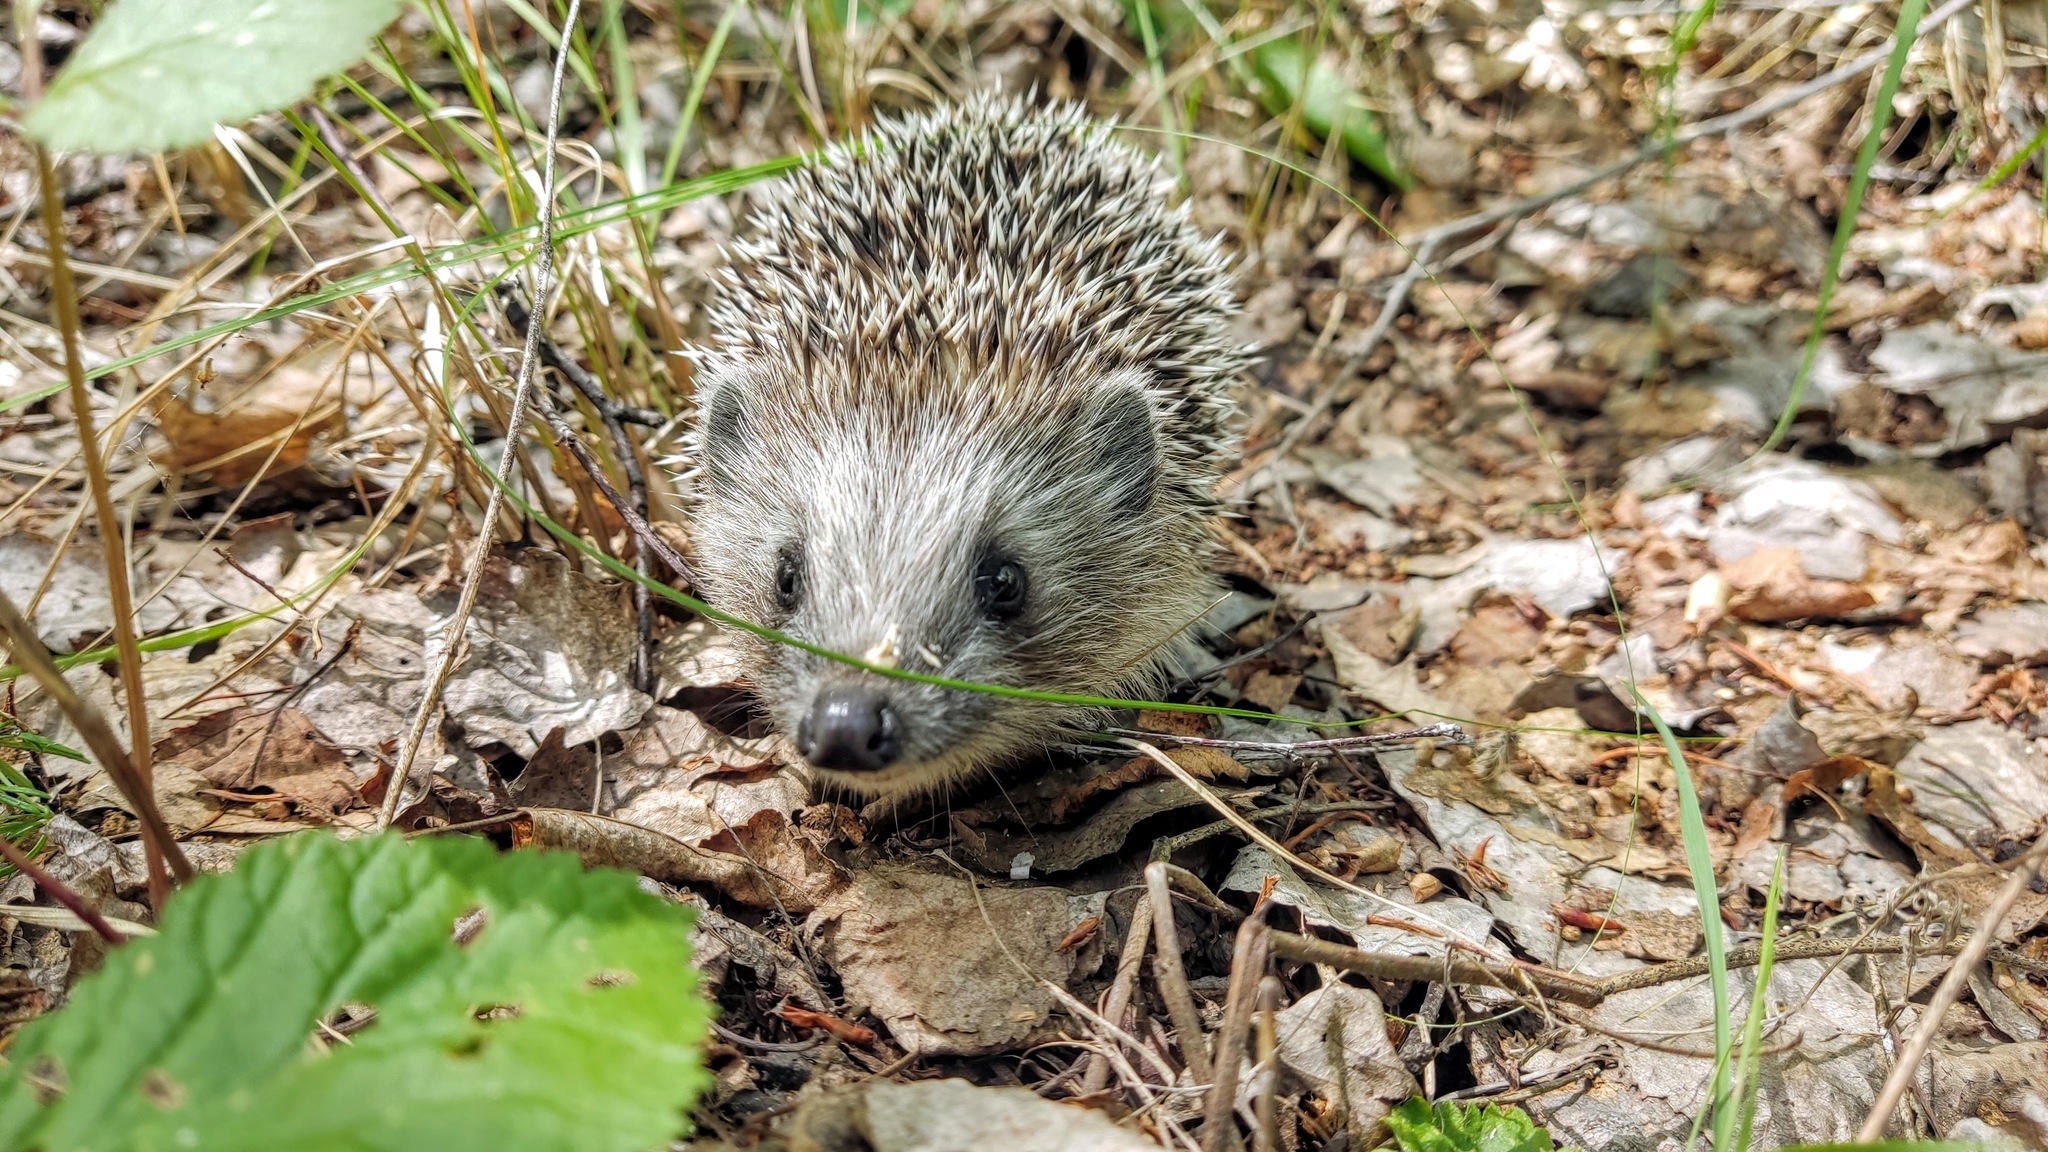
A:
{"x":59,"y":891}
{"x":1516,"y":977}
{"x":1520,"y":976}
{"x":1971,"y":955}
{"x":1119,"y":999}
{"x":99,"y":736}
{"x":748,"y":1042}
{"x":1746,"y":957}
{"x":515,"y":422}
{"x":1172,"y":977}
{"x":1588,"y":1067}
{"x":578,"y":377}
{"x":1396,"y":303}
{"x":614,"y":415}
{"x":1247,"y":969}
{"x":650,"y":540}
{"x":642,"y":530}
{"x":1714,"y":126}
{"x":1266,"y":1136}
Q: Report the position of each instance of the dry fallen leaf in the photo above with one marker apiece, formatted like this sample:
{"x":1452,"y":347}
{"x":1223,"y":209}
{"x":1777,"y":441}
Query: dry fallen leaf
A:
{"x":1771,"y":587}
{"x":263,"y":751}
{"x":1825,"y":778}
{"x":229,"y":430}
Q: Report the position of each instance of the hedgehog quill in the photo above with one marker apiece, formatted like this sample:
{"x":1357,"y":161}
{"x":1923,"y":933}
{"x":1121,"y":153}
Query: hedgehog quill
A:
{"x":965,"y":413}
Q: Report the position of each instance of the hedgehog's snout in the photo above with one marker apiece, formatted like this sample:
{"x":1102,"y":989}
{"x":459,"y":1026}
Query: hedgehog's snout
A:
{"x":850,"y":728}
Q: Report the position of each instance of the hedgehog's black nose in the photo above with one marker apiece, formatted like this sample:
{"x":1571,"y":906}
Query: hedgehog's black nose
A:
{"x":851,"y":729}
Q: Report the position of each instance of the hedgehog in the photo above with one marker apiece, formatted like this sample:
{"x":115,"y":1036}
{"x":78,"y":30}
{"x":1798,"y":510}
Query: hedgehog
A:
{"x":964,"y":412}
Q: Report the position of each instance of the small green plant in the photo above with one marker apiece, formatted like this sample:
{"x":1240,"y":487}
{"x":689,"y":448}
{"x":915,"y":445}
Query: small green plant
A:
{"x":1286,"y":75}
{"x":1450,"y":1127}
{"x":520,"y":1002}
{"x":24,"y":808}
{"x":1289,"y":76}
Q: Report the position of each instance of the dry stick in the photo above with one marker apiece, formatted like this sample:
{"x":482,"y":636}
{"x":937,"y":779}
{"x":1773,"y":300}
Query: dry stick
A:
{"x":579,"y":377}
{"x":59,"y":892}
{"x":1266,"y":1137}
{"x":113,"y":549}
{"x":1116,"y":1034}
{"x":1455,"y":969}
{"x":649,"y":539}
{"x":99,"y":736}
{"x":1746,"y":957}
{"x":515,"y":421}
{"x":1119,"y":999}
{"x":1397,"y":302}
{"x":1699,"y":131}
{"x":1247,"y":968}
{"x":1425,"y":243}
{"x":613,"y":415}
{"x":1172,"y":978}
{"x":1951,"y":990}
{"x":1521,"y":977}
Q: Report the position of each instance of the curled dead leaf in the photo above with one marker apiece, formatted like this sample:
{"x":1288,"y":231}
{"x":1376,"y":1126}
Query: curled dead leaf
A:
{"x":1825,"y":778}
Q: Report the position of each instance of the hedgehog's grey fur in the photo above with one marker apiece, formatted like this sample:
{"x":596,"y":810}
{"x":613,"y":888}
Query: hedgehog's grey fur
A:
{"x":978,"y":328}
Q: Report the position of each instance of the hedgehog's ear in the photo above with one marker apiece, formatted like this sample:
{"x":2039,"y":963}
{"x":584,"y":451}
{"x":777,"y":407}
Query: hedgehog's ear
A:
{"x":1122,"y":437}
{"x":722,"y":437}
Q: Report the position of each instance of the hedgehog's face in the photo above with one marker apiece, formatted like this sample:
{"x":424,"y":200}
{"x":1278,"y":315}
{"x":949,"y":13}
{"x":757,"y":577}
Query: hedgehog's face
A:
{"x":1019,"y":545}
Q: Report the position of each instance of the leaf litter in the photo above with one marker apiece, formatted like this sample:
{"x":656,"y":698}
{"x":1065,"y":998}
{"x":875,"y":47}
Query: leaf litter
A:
{"x":1848,"y":633}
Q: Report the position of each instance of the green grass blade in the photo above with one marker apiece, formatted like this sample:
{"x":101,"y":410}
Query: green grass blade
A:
{"x":700,"y":77}
{"x":571,"y":224}
{"x":1155,"y":65}
{"x":626,"y":128}
{"x":2005,"y":171}
{"x":1852,"y":203}
{"x":1699,"y":861}
{"x":1745,"y":1087}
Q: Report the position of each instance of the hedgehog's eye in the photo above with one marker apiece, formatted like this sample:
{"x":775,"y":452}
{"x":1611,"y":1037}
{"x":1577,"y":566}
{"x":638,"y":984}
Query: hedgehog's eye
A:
{"x":789,"y":579}
{"x":1000,"y":586}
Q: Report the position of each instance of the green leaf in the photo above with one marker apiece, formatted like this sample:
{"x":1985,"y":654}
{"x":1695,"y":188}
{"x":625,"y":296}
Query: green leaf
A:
{"x":569,"y":1020}
{"x":159,"y":74}
{"x":1450,"y":1127}
{"x":13,"y":736}
{"x":1287,"y":77}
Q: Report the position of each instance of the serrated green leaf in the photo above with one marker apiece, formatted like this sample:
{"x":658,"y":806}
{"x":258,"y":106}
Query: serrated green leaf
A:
{"x":1450,"y":1127}
{"x":568,"y":1021}
{"x":1287,"y":78}
{"x":159,"y":74}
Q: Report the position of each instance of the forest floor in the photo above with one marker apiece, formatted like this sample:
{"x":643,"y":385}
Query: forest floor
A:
{"x":1607,"y":422}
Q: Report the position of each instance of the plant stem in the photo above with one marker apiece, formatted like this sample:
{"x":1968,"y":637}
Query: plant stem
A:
{"x":99,"y":736}
{"x":59,"y":892}
{"x":64,"y":303}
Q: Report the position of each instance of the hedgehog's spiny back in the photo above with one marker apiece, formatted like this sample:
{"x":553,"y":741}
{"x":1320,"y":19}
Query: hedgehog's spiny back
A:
{"x":1011,"y":251}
